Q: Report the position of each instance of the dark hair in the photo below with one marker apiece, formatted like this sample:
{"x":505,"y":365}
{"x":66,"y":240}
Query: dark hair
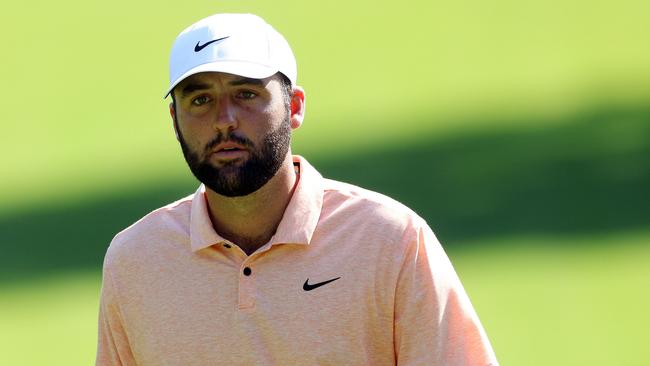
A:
{"x":286,"y":89}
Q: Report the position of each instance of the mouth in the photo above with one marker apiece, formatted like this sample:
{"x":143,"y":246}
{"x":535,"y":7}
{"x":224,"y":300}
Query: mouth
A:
{"x":229,"y":151}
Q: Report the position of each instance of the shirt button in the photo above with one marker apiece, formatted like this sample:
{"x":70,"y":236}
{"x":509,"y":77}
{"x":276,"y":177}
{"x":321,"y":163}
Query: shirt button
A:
{"x":247,"y":271}
{"x":227,"y":245}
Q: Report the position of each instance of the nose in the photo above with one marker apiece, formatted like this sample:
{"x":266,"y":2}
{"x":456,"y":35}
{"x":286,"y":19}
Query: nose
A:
{"x":226,"y":117}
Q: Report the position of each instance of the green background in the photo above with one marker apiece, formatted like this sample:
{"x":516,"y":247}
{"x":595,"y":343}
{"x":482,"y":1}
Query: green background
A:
{"x":520,"y":130}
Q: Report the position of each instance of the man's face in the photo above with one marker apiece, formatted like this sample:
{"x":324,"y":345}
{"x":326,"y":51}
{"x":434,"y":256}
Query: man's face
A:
{"x":235,"y":132}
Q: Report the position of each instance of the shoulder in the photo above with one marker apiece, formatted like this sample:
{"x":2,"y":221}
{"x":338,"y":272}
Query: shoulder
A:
{"x":387,"y":232}
{"x":340,"y":193}
{"x":366,"y":208}
{"x":147,"y":234}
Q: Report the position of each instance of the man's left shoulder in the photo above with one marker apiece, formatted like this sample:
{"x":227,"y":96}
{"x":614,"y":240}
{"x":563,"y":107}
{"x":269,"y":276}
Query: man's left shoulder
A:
{"x":373,"y":206}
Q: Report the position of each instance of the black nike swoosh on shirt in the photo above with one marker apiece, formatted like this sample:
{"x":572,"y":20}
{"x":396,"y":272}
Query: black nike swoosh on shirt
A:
{"x":307,"y":287}
{"x":199,"y":47}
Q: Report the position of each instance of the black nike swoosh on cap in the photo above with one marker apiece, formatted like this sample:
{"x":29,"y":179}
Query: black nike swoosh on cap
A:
{"x":199,"y":47}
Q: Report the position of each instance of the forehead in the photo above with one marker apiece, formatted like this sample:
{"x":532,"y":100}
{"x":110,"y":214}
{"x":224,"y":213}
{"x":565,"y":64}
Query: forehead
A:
{"x":220,"y":80}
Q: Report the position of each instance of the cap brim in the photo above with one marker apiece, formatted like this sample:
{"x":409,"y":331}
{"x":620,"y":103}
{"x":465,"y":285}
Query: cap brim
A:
{"x":245,"y":69}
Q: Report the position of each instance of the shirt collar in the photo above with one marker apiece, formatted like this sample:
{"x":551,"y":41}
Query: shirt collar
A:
{"x":298,"y":222}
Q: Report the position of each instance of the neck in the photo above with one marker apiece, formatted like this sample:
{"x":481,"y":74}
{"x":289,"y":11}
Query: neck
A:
{"x":250,"y":221}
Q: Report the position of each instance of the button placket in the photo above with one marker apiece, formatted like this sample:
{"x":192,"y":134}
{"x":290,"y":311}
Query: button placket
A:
{"x":247,"y":286}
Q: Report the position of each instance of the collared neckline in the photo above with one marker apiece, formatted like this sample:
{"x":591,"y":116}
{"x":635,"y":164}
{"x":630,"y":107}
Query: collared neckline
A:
{"x":298,"y":221}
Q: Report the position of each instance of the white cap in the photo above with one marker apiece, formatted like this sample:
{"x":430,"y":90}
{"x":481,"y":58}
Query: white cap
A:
{"x":239,"y":44}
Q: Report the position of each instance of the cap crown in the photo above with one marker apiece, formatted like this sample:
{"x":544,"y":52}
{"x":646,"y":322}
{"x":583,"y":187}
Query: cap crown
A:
{"x":240,"y":44}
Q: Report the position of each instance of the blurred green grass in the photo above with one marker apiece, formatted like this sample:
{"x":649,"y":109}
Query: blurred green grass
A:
{"x":562,"y":300}
{"x":83,"y":81}
{"x":519,"y":130}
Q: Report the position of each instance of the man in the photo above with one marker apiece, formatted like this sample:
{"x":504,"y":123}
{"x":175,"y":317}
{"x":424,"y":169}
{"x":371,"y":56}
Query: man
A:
{"x":268,"y":263}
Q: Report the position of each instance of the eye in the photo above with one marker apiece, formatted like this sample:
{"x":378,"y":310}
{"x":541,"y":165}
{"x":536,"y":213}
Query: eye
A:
{"x":246,"y":94}
{"x":200,"y":100}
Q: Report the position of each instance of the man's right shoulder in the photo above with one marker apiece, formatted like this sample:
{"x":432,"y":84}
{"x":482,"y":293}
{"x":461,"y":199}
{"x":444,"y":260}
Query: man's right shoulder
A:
{"x":165,"y":224}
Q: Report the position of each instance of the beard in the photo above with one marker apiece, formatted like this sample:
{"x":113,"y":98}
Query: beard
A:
{"x":231,"y":179}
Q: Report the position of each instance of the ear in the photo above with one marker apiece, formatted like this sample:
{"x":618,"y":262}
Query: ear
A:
{"x":172,"y":113}
{"x":297,"y":106}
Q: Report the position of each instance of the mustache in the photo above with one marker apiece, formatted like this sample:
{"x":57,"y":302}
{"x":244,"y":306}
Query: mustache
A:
{"x":220,"y":138}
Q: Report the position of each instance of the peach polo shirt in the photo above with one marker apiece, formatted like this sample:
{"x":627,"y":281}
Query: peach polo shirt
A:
{"x":351,"y":277}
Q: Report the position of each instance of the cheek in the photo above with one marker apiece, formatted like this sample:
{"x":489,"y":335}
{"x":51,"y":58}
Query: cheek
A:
{"x":270,"y":117}
{"x":191,"y":135}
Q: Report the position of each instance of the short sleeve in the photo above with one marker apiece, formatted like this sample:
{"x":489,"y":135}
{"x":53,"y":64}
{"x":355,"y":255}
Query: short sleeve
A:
{"x":435,"y":323}
{"x":112,"y":342}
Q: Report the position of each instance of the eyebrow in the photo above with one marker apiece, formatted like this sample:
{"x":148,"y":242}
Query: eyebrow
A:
{"x":192,"y":87}
{"x":247,"y":81}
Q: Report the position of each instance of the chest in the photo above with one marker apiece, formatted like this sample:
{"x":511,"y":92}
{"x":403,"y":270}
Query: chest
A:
{"x":295,"y":304}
